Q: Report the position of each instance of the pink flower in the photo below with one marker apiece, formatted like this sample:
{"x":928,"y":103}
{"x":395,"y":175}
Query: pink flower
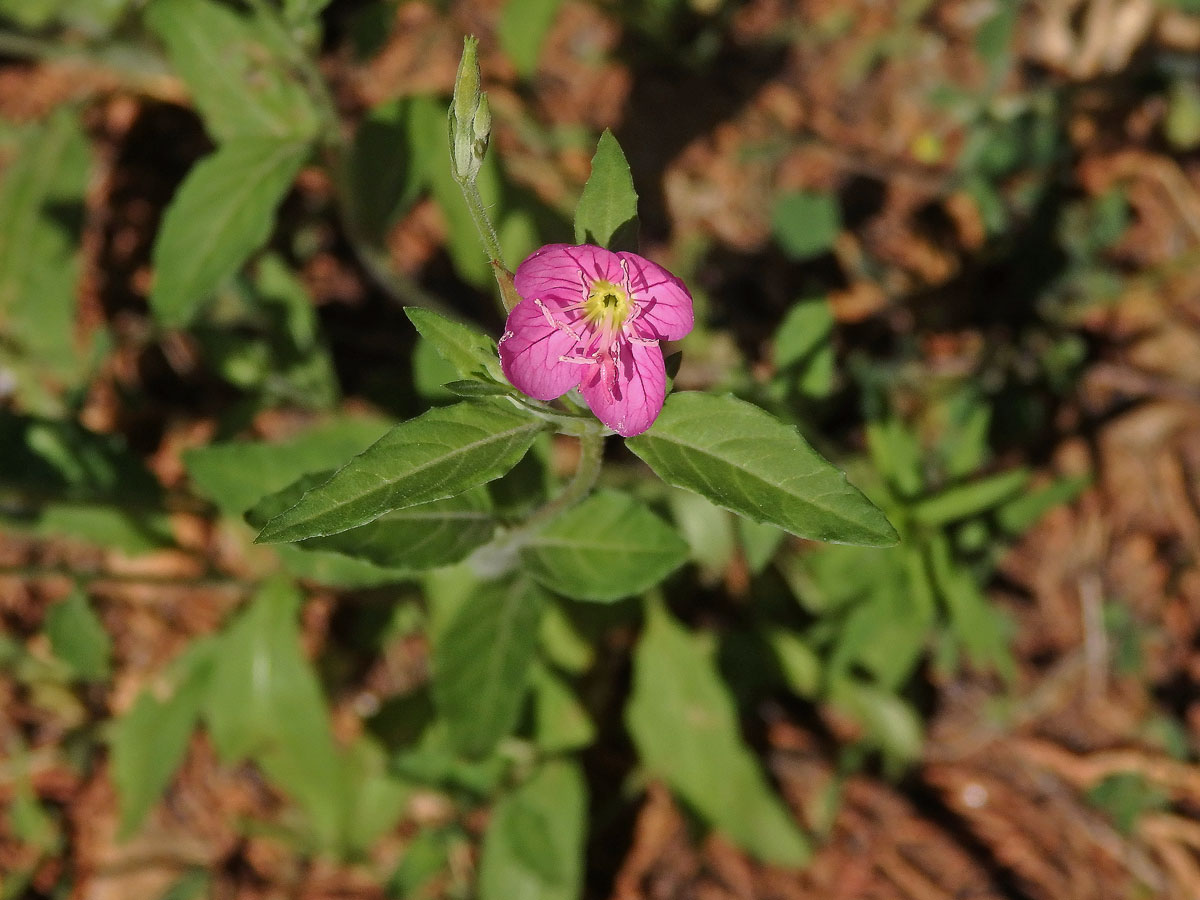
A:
{"x":593,"y":318}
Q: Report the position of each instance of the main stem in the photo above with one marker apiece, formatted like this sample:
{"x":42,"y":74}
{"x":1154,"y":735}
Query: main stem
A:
{"x":591,"y":457}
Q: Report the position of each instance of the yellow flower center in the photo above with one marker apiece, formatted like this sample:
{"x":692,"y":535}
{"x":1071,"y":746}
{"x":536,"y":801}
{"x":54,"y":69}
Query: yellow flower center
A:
{"x":607,"y":307}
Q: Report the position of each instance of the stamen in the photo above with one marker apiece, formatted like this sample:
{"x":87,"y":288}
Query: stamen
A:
{"x":578,"y":360}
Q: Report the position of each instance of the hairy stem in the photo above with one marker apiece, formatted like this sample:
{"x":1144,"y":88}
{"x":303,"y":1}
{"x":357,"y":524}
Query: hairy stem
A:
{"x":491,"y":242}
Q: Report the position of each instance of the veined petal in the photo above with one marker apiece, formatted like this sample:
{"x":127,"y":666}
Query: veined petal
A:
{"x":666,"y":304}
{"x":531,"y":353}
{"x":627,"y":393}
{"x":552,"y":273}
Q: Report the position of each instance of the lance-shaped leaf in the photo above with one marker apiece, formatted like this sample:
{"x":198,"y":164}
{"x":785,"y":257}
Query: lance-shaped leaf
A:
{"x":608,"y":547}
{"x":41,"y":202}
{"x":745,"y":460}
{"x":684,"y":724}
{"x":413,"y":539}
{"x":440,"y":454}
{"x":223,"y":212}
{"x":607,"y":210}
{"x":472,"y":353}
{"x":482,"y":662}
{"x":533,"y":848}
{"x":236,"y":69}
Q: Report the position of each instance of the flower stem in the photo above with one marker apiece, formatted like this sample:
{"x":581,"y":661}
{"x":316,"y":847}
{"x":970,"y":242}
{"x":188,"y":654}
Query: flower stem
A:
{"x":591,"y":457}
{"x":500,"y":556}
{"x":491,"y":242}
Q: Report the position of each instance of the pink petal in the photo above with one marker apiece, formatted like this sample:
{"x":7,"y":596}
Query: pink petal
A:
{"x":666,"y":304}
{"x":531,"y":353}
{"x":552,"y":273}
{"x":627,"y":395}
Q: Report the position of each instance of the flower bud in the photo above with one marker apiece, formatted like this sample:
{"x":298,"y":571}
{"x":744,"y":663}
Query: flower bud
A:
{"x":470,"y":117}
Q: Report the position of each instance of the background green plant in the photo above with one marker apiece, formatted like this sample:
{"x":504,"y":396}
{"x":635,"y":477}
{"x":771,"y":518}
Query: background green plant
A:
{"x":513,"y":576}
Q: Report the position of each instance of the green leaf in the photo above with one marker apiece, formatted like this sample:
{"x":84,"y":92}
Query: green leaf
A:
{"x":979,"y":626}
{"x":562,"y":723}
{"x":523,"y":27}
{"x":382,"y":179}
{"x":130,"y":531}
{"x":444,"y":452}
{"x":234,"y":67}
{"x":972,"y":499}
{"x":533,"y":848}
{"x":1126,"y":797}
{"x":760,"y":542}
{"x":891,"y":723}
{"x":684,"y":724}
{"x":1022,"y":512}
{"x":148,"y":743}
{"x":420,"y":537}
{"x":804,"y":348}
{"x":805,"y":224}
{"x":708,"y":530}
{"x":472,"y":353}
{"x":78,"y":638}
{"x":482,"y":662}
{"x":237,"y":474}
{"x":302,"y":11}
{"x":745,"y":460}
{"x":429,"y":152}
{"x":41,"y":202}
{"x":607,"y":210}
{"x":265,"y":702}
{"x":608,"y":547}
{"x":223,"y":212}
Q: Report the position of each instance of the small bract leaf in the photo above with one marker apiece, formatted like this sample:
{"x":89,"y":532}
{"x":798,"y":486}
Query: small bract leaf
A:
{"x":482,"y":662}
{"x":607,"y":210}
{"x":608,"y":547}
{"x":471,"y":352}
{"x":223,"y":213}
{"x":439,"y":454}
{"x":747,"y":461}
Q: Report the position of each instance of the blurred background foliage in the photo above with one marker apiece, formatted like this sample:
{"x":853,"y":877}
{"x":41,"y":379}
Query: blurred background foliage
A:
{"x":954,"y":241}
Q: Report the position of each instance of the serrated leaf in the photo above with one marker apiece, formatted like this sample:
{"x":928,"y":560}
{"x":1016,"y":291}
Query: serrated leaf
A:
{"x":472,"y":353}
{"x":439,"y":454}
{"x":78,"y":638}
{"x":41,"y":202}
{"x":805,"y":223}
{"x":533,"y":848}
{"x":223,"y":212}
{"x":522,"y":29}
{"x":234,"y":66}
{"x":747,"y":461}
{"x":482,"y":662}
{"x":148,"y":743}
{"x":414,"y":539}
{"x":606,"y":548}
{"x":971,"y":499}
{"x":607,"y":210}
{"x":684,"y":724}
